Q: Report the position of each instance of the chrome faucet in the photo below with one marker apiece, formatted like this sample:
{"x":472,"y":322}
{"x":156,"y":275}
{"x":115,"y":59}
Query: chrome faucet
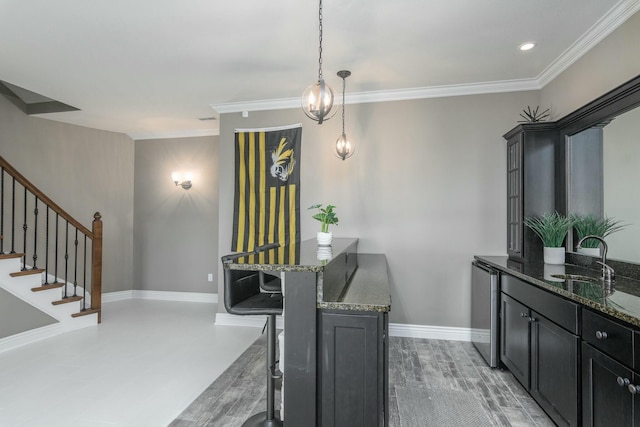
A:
{"x":608,"y":275}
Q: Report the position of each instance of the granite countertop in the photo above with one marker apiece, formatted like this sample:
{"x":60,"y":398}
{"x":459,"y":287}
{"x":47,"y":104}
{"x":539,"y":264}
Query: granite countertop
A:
{"x":621,"y":300}
{"x":359,"y":286}
{"x":305,"y":256}
{"x":368,"y":289}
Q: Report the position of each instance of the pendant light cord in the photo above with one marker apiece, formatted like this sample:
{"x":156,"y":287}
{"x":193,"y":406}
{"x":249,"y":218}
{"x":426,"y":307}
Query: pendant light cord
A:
{"x":344,"y":85}
{"x":320,"y":39}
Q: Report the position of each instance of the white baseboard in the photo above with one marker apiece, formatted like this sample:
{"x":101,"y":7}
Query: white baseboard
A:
{"x":226,"y":319}
{"x":31,"y":336}
{"x":160,"y":295}
{"x":430,"y":332}
{"x":395,"y":329}
{"x":116,"y":296}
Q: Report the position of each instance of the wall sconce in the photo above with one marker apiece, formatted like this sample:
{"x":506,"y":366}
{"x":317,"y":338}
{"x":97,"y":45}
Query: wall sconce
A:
{"x":176,"y":177}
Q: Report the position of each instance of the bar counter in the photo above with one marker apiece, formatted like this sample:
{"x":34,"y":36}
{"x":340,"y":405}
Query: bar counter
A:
{"x":335,"y":299}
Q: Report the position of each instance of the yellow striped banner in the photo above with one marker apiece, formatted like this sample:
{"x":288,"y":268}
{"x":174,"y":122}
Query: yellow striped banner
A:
{"x":267,"y":191}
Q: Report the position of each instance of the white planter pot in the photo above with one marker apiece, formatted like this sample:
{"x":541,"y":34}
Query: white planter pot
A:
{"x":324,"y":252}
{"x":589,"y":251}
{"x":553,"y":255}
{"x":324,"y":239}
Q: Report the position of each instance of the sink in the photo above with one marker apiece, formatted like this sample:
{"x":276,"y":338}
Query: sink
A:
{"x":576,"y":277}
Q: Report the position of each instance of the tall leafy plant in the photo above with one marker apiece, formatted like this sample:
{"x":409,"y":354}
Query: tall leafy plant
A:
{"x":326,"y":216}
{"x":590,"y":225}
{"x":552,"y":228}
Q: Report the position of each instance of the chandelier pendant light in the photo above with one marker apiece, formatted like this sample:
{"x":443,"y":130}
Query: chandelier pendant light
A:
{"x":317,"y":99}
{"x":344,"y":146}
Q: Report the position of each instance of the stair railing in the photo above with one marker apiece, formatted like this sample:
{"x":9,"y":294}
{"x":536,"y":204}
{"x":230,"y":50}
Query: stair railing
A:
{"x":62,"y":239}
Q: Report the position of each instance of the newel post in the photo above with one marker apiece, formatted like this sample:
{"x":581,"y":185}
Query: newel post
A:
{"x":96,"y":260}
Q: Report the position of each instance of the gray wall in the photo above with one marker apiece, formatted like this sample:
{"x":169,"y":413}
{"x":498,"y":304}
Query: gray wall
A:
{"x":175,"y":230}
{"x":17,"y":316}
{"x":83,"y":170}
{"x":426,"y":187}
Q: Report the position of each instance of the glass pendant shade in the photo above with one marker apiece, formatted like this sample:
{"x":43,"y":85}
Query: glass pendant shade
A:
{"x":317,"y":101}
{"x":344,"y":147}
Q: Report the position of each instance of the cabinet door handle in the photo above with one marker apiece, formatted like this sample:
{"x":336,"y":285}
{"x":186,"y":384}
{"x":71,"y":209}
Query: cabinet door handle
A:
{"x":623,"y":382}
{"x":524,"y":315}
{"x":634,"y":389}
{"x":532,"y":319}
{"x":601,"y":335}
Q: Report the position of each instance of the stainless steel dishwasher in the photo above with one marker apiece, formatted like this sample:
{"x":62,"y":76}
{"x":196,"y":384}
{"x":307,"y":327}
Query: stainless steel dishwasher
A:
{"x":485,"y":306}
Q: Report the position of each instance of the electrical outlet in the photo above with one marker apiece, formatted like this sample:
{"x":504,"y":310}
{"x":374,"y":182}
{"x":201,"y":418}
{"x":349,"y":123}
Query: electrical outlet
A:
{"x":210,"y":277}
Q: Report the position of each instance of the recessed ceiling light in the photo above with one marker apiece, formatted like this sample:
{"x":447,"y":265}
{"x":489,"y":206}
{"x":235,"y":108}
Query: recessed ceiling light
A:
{"x":527,"y":46}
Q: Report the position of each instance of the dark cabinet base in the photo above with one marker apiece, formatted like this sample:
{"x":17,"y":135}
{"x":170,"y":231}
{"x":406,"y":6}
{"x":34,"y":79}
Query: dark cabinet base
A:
{"x":606,"y":400}
{"x":554,"y":370}
{"x":515,"y":338}
{"x":353,"y":388}
{"x":543,"y":357}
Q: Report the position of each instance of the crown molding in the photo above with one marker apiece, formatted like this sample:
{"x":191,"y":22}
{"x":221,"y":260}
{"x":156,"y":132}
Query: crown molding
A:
{"x":389,"y":95}
{"x":601,"y":29}
{"x":178,"y":134}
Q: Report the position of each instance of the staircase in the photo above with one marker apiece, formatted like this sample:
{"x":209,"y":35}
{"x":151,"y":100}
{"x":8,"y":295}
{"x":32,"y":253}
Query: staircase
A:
{"x":68,"y":308}
{"x":48,"y":258}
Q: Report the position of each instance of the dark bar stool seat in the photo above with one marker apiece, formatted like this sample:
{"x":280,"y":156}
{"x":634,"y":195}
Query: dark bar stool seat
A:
{"x":269,"y":282}
{"x":243,"y":296}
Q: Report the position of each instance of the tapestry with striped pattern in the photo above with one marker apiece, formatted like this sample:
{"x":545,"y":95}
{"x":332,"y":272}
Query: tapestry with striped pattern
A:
{"x":267,"y":191}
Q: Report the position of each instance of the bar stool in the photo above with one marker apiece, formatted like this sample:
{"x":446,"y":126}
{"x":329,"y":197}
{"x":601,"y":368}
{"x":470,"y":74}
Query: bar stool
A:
{"x":242,"y":296}
{"x":269,"y":282}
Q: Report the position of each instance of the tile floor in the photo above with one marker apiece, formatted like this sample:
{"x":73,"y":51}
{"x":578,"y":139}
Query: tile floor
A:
{"x":457,"y":366}
{"x":149,"y":360}
{"x":141,"y":367}
{"x":417,"y":367}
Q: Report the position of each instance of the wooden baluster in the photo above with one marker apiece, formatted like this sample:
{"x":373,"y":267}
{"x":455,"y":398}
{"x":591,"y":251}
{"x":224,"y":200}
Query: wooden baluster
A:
{"x":96,"y":261}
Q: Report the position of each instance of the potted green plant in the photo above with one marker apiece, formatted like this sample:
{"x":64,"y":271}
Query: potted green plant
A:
{"x":327,"y":217}
{"x":552,"y":228}
{"x":591,"y":225}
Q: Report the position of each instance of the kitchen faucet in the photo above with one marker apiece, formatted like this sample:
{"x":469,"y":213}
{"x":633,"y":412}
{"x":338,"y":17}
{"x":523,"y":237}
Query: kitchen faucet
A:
{"x":608,"y":275}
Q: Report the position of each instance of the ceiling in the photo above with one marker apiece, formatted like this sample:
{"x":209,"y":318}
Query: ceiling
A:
{"x":155,"y":68}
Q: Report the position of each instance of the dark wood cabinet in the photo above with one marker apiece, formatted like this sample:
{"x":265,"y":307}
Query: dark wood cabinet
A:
{"x":554,"y":370}
{"x":610,"y":387}
{"x":514,"y":197}
{"x":606,"y":399}
{"x":353,"y":369}
{"x":515,"y":338}
{"x":534,"y":159}
{"x":541,"y":354}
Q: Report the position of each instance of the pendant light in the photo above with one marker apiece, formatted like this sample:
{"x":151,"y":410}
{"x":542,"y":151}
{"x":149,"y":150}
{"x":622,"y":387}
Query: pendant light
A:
{"x":344,"y":146}
{"x":317,"y":99}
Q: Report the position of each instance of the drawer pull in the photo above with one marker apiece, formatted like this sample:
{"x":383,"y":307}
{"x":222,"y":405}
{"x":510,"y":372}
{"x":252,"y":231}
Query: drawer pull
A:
{"x":623,"y":382}
{"x":634,"y":389}
{"x":601,"y":335}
